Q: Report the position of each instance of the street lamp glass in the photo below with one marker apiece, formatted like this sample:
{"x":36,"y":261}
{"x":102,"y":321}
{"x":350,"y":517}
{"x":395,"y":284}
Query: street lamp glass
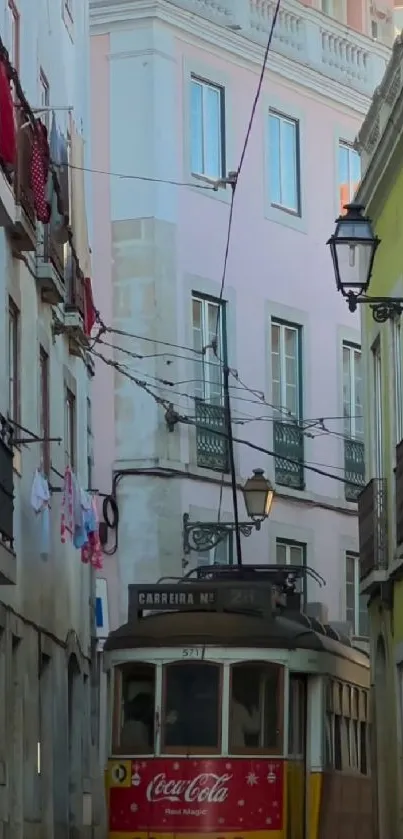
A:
{"x":353,"y":247}
{"x":258,"y":495}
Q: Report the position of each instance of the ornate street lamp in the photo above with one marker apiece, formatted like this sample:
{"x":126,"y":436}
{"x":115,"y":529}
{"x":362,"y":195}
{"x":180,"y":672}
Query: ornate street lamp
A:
{"x":353,"y":246}
{"x":203,"y":536}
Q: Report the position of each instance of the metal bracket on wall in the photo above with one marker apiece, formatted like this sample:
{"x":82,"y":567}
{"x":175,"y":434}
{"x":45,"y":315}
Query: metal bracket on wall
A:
{"x":203,"y":536}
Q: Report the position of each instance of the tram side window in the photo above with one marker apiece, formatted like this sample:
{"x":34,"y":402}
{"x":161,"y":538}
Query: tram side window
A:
{"x":192,"y":708}
{"x":256,"y":708}
{"x":134,"y":709}
{"x":346,"y":728}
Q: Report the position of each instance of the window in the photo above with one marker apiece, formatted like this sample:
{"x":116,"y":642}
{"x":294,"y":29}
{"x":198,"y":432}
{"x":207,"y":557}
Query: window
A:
{"x":14,"y":370}
{"x":207,"y":129}
{"x":44,"y":410}
{"x":286,"y":358}
{"x":208,"y":320}
{"x":284,"y":163}
{"x":134,"y":712}
{"x":286,"y":366}
{"x":377,"y":416}
{"x":90,"y":444}
{"x":353,"y":410}
{"x":353,"y":413}
{"x":192,"y":726}
{"x":292,"y":553}
{"x":14,"y":34}
{"x":296,"y":717}
{"x":44,"y":97}
{"x":70,"y":428}
{"x":222,"y":554}
{"x":356,"y":604}
{"x":397,"y":375}
{"x":346,"y":728}
{"x":349,"y":173}
{"x":255,"y":718}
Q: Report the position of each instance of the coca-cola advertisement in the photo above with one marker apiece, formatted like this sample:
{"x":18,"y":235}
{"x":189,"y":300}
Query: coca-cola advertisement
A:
{"x":196,"y":795}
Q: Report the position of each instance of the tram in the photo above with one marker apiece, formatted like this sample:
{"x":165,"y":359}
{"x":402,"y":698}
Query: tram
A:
{"x":235,"y":716}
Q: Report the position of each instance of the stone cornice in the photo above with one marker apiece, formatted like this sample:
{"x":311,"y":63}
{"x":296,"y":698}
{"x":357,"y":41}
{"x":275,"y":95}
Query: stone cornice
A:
{"x":379,"y":140}
{"x":107,"y":16}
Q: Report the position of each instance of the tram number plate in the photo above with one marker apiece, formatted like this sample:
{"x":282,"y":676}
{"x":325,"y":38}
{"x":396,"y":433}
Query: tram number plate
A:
{"x":192,"y":652}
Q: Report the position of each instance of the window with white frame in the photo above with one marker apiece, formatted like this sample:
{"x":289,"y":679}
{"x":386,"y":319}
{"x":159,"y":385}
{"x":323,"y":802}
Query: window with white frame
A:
{"x":397,"y":377}
{"x":286,"y":368}
{"x":377,"y":413}
{"x":207,"y":129}
{"x":353,"y":410}
{"x":356,"y":604}
{"x":349,"y":173}
{"x":284,"y":163}
{"x":222,"y":554}
{"x":208,"y":322}
{"x":292,"y":553}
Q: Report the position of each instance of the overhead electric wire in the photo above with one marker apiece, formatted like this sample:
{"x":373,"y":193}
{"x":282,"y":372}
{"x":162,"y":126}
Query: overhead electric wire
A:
{"x":244,"y":150}
{"x":165,"y":403}
{"x":145,"y":178}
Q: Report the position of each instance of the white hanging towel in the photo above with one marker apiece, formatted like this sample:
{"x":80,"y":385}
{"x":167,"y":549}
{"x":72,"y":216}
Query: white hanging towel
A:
{"x":40,"y":498}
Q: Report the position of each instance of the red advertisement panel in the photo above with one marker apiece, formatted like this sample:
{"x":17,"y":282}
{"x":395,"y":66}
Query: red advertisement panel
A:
{"x":187,"y":795}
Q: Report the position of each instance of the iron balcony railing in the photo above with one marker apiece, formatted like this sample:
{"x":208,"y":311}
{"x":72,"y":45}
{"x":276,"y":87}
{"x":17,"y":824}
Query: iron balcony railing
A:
{"x":288,"y":441}
{"x":373,"y":527}
{"x":6,"y":484}
{"x":211,"y":442}
{"x":354,"y":468}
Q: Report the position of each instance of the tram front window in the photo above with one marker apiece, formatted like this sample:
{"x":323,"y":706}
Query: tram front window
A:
{"x":192,"y":707}
{"x":256,"y":706}
{"x":135,"y":695}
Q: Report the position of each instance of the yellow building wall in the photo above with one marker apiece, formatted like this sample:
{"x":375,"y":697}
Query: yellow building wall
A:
{"x":387,"y":280}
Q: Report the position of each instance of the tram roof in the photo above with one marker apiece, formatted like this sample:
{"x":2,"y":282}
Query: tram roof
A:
{"x":219,"y":624}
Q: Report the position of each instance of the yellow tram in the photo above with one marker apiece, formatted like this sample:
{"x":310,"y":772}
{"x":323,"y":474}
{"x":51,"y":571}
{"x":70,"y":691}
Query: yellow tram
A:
{"x":235,"y":716}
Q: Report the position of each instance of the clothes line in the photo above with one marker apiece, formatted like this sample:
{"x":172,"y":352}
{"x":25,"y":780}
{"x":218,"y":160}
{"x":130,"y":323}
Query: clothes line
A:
{"x":90,"y":490}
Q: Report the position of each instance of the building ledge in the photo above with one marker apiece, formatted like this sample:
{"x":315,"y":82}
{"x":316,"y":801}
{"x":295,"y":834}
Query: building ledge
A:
{"x":315,"y":47}
{"x":373,"y":581}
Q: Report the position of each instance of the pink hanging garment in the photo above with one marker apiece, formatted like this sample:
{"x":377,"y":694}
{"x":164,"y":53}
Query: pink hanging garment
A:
{"x":67,"y":515}
{"x":91,"y":552}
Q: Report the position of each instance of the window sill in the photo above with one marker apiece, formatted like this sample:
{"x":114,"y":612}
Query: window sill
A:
{"x":287,"y":218}
{"x":202,"y":185}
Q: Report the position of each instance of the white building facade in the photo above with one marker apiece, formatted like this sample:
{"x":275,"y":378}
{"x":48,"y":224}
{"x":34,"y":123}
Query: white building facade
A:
{"x":48,"y":739}
{"x":173,"y":87}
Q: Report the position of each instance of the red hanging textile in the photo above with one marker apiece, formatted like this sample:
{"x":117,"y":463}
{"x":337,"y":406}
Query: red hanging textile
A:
{"x":40,"y":171}
{"x":89,"y":307}
{"x":8,"y":138}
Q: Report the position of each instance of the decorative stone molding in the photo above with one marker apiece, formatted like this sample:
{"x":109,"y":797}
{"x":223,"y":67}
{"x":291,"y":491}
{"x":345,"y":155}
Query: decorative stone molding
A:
{"x":306,"y":43}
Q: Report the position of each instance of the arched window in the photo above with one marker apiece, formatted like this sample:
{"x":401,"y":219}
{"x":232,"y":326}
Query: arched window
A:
{"x":191,"y":719}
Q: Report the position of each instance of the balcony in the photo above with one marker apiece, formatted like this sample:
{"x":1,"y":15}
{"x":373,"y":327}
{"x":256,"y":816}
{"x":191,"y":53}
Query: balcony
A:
{"x":74,"y":306}
{"x":373,"y":535}
{"x":354,"y":469}
{"x":211,"y":447}
{"x":7,"y":555}
{"x":304,"y":35}
{"x":288,"y":441}
{"x":50,"y":266}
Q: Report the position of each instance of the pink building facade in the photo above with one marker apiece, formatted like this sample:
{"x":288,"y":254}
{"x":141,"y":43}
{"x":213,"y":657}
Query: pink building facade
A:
{"x":173,"y":86}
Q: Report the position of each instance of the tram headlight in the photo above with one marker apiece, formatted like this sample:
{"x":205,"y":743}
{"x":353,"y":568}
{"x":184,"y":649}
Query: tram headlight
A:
{"x":258,"y":495}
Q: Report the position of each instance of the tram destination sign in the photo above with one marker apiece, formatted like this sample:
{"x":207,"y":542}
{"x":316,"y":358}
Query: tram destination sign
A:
{"x":195,"y":597}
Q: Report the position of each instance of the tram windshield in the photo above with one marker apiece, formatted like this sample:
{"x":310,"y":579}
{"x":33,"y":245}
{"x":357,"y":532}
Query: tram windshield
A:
{"x":192,"y":707}
{"x":192,"y":714}
{"x":136,"y":711}
{"x":255,"y":708}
